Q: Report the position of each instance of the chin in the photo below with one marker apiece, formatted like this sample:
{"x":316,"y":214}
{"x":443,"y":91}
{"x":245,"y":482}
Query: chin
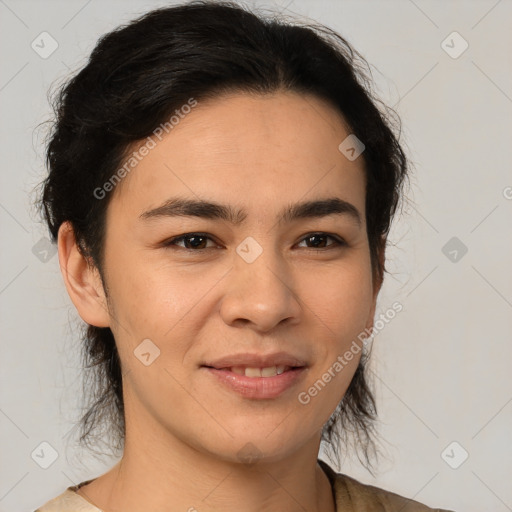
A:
{"x":257,"y":445}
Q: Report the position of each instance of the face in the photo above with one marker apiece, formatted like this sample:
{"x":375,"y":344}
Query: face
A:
{"x":258,"y":282}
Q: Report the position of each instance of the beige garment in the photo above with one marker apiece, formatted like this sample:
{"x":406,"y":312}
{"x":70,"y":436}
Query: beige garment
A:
{"x":350,"y":495}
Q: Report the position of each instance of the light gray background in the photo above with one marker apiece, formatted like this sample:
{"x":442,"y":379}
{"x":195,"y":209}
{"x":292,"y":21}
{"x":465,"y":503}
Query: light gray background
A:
{"x":442,"y":365}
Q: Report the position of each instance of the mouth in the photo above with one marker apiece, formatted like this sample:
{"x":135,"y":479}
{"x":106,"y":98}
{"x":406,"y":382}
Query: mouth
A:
{"x":254,"y":382}
{"x":252,"y":371}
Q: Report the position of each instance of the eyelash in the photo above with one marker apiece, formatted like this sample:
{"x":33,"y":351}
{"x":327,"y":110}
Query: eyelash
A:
{"x":339,"y":242}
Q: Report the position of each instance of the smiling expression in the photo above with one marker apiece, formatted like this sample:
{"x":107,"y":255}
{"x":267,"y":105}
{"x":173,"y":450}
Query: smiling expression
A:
{"x":239,"y":244}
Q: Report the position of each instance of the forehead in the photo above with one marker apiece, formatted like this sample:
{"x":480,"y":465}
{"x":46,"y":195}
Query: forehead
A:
{"x":255,"y":151}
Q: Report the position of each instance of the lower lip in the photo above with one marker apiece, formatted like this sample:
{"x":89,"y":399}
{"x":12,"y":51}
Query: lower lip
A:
{"x":257,"y":387}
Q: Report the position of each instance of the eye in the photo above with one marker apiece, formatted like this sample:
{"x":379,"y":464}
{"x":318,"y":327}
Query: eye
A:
{"x":320,"y":238}
{"x":191,"y":241}
{"x":197,"y":241}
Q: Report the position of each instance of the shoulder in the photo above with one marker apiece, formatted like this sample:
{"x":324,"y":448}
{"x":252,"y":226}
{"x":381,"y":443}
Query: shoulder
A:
{"x":364,"y":495}
{"x":350,"y":496}
{"x":353,"y":495}
{"x":69,"y":501}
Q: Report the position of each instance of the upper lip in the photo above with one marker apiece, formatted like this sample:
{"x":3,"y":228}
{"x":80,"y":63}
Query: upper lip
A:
{"x":252,"y":360}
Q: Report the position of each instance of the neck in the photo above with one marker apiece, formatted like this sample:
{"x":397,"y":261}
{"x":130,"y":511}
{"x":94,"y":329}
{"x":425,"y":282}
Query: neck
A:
{"x":173,"y":476}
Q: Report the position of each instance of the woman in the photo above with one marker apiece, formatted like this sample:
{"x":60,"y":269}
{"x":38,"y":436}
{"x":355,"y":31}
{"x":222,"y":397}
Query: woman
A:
{"x":220,"y":188}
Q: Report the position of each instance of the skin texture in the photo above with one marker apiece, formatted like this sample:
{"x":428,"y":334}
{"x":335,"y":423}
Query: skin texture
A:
{"x":183,"y":429}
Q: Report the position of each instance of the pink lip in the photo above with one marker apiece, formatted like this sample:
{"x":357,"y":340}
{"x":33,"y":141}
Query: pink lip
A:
{"x":256,"y":360}
{"x":257,"y":387}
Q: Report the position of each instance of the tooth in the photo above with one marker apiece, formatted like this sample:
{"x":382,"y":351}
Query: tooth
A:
{"x":239,"y":370}
{"x":269,"y":371}
{"x":252,"y":372}
{"x":280,"y":369}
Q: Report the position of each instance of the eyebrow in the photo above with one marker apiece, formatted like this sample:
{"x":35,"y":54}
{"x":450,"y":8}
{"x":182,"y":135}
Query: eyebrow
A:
{"x":182,"y":207}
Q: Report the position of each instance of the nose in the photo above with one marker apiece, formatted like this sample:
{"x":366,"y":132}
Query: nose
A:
{"x":260,"y":294}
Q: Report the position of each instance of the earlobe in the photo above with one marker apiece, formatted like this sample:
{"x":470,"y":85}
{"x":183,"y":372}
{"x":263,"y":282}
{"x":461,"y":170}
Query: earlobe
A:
{"x":82,"y":280}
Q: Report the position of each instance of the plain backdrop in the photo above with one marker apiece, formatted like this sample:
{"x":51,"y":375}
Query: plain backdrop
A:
{"x":441,"y":367}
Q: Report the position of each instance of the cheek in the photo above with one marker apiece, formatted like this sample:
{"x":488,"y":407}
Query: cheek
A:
{"x":144,"y":290}
{"x":160,"y":303}
{"x":340,"y":297}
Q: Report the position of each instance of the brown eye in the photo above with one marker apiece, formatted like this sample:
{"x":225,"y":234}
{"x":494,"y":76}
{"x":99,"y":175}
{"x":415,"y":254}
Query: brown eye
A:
{"x":192,"y":241}
{"x":198,"y":241}
{"x":319,"y":241}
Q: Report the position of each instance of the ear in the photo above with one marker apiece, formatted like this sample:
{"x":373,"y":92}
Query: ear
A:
{"x":82,"y":279}
{"x":378,"y":280}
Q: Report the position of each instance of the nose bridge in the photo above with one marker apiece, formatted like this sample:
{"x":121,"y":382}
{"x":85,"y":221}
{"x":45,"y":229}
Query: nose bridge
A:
{"x":266,"y":271}
{"x":259,"y":290}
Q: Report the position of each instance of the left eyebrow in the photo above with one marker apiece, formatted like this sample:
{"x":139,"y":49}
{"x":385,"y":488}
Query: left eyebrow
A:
{"x":182,"y":207}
